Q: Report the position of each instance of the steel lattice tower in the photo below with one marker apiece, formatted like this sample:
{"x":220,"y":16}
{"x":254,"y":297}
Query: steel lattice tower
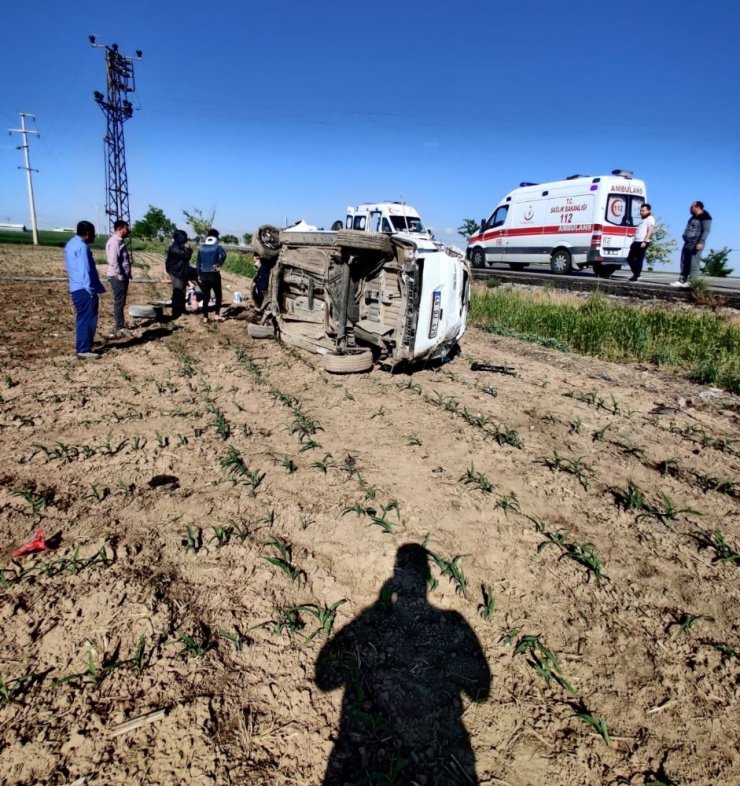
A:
{"x":117,"y":109}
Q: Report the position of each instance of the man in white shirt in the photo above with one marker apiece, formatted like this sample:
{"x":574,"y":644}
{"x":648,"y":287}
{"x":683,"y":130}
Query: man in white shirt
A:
{"x":640,"y":244}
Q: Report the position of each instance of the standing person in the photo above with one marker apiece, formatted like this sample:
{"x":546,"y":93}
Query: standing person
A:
{"x":694,"y":238}
{"x":640,"y":244}
{"x":178,"y":267}
{"x":119,"y":274}
{"x":211,"y":257}
{"x":84,"y":286}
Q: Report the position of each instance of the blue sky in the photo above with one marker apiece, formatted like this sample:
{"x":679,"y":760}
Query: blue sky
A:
{"x":278,"y":111}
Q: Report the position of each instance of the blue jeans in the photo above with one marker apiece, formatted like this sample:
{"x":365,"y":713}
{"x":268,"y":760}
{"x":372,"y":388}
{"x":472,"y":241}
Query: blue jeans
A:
{"x":86,"y":308}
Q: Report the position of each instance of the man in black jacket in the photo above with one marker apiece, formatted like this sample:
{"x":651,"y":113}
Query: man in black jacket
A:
{"x":180,"y":272}
{"x":694,"y":237}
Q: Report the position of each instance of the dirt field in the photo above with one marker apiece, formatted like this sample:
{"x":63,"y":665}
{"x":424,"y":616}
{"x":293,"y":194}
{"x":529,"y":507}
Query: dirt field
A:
{"x":216,"y":506}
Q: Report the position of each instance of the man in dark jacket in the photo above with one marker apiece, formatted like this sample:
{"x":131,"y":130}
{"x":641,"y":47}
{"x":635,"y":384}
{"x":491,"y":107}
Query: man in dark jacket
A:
{"x":210,"y":259}
{"x":694,"y":238}
{"x":180,"y":272}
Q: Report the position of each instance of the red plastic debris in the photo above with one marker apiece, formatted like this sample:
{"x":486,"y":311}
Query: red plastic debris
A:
{"x":33,"y":546}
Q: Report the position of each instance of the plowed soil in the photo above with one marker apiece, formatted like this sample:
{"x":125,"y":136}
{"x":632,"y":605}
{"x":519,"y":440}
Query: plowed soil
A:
{"x":259,"y":573}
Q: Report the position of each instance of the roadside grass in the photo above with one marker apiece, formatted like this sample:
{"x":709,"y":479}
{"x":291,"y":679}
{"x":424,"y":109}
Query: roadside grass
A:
{"x":704,"y":345}
{"x":240,"y":264}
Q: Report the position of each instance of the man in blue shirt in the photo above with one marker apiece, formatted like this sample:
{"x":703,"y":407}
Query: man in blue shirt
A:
{"x":84,"y":286}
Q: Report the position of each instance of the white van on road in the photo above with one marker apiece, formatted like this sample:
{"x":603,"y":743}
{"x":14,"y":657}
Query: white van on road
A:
{"x":583,"y":221}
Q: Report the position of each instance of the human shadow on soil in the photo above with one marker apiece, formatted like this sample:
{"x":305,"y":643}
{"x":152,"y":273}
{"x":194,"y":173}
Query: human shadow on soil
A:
{"x":150,"y":334}
{"x":404,"y":666}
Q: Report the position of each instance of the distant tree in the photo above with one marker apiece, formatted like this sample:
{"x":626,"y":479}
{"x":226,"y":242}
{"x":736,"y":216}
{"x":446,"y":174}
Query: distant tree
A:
{"x":199,"y":221}
{"x":661,"y":246}
{"x":154,"y":225}
{"x":468,"y":228}
{"x":229,"y":239}
{"x":715,"y":263}
{"x":247,"y":237}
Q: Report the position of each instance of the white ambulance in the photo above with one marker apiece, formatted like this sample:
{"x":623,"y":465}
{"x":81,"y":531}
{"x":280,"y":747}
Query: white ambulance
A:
{"x":581,"y":221}
{"x":386,"y":217}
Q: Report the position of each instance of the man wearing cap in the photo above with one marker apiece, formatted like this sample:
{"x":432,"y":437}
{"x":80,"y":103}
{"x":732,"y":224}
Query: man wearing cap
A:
{"x":84,"y":286}
{"x":178,"y":267}
{"x":211,"y":257}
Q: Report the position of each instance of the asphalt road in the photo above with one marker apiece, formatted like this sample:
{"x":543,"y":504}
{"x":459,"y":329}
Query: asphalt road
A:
{"x":656,"y":283}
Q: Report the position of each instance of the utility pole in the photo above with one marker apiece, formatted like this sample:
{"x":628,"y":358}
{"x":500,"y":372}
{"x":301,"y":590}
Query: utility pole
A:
{"x":117,"y":109}
{"x":23,"y":131}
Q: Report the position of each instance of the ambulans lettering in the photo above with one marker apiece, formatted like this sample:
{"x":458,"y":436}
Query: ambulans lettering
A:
{"x":576,"y":228}
{"x":626,"y":188}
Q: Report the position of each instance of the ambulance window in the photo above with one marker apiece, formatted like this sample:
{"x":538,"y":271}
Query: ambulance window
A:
{"x":498,"y":218}
{"x":616,"y":210}
{"x":635,"y":204}
{"x":386,"y":226}
{"x":359,"y":222}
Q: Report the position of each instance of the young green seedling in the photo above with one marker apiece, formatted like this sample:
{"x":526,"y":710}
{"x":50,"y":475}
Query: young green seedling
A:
{"x":488,"y":606}
{"x":193,"y":539}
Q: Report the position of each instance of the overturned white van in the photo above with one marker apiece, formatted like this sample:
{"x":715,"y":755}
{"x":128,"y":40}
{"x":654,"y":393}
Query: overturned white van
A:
{"x":358,"y":296}
{"x":581,"y":221}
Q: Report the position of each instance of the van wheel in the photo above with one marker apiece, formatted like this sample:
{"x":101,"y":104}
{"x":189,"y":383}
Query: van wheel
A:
{"x":517,"y":265}
{"x":561,"y":262}
{"x":478,"y":257}
{"x":260,"y":331}
{"x":266,"y":242}
{"x":372,"y":241}
{"x":350,"y":363}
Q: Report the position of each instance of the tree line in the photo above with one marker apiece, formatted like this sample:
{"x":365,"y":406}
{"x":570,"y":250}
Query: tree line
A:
{"x":155,"y":225}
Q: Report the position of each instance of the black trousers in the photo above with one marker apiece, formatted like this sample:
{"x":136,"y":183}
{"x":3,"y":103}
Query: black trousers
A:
{"x":636,"y":257}
{"x":211,"y":282}
{"x":178,"y":296}
{"x":120,"y":291}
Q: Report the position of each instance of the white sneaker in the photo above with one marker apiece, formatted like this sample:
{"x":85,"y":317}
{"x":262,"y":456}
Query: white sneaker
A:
{"x":681,"y":284}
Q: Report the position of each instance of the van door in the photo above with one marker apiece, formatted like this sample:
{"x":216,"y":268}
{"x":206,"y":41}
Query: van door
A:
{"x":621,"y":216}
{"x":495,"y":235}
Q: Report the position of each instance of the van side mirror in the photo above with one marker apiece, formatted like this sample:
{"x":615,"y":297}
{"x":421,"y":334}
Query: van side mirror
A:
{"x":483,"y":224}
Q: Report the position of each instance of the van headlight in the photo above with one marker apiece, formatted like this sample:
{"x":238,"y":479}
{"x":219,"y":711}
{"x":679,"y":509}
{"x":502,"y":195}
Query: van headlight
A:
{"x":436,"y":312}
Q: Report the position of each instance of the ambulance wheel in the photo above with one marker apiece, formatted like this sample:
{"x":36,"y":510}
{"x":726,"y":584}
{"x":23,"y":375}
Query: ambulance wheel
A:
{"x":350,"y":363}
{"x":561,"y":262}
{"x":478,"y":257}
{"x":517,"y":265}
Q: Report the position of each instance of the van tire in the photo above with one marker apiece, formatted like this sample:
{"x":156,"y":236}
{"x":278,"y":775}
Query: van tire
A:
{"x":266,"y":242}
{"x":561,"y":261}
{"x":260,"y":331}
{"x":144,"y":312}
{"x":372,"y":241}
{"x":518,"y":265}
{"x":350,"y":363}
{"x":478,"y":257}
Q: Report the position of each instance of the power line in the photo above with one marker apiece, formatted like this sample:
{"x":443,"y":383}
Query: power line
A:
{"x":23,"y":131}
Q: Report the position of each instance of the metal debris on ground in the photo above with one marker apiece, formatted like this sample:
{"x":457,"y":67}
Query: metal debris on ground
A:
{"x":496,"y":369}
